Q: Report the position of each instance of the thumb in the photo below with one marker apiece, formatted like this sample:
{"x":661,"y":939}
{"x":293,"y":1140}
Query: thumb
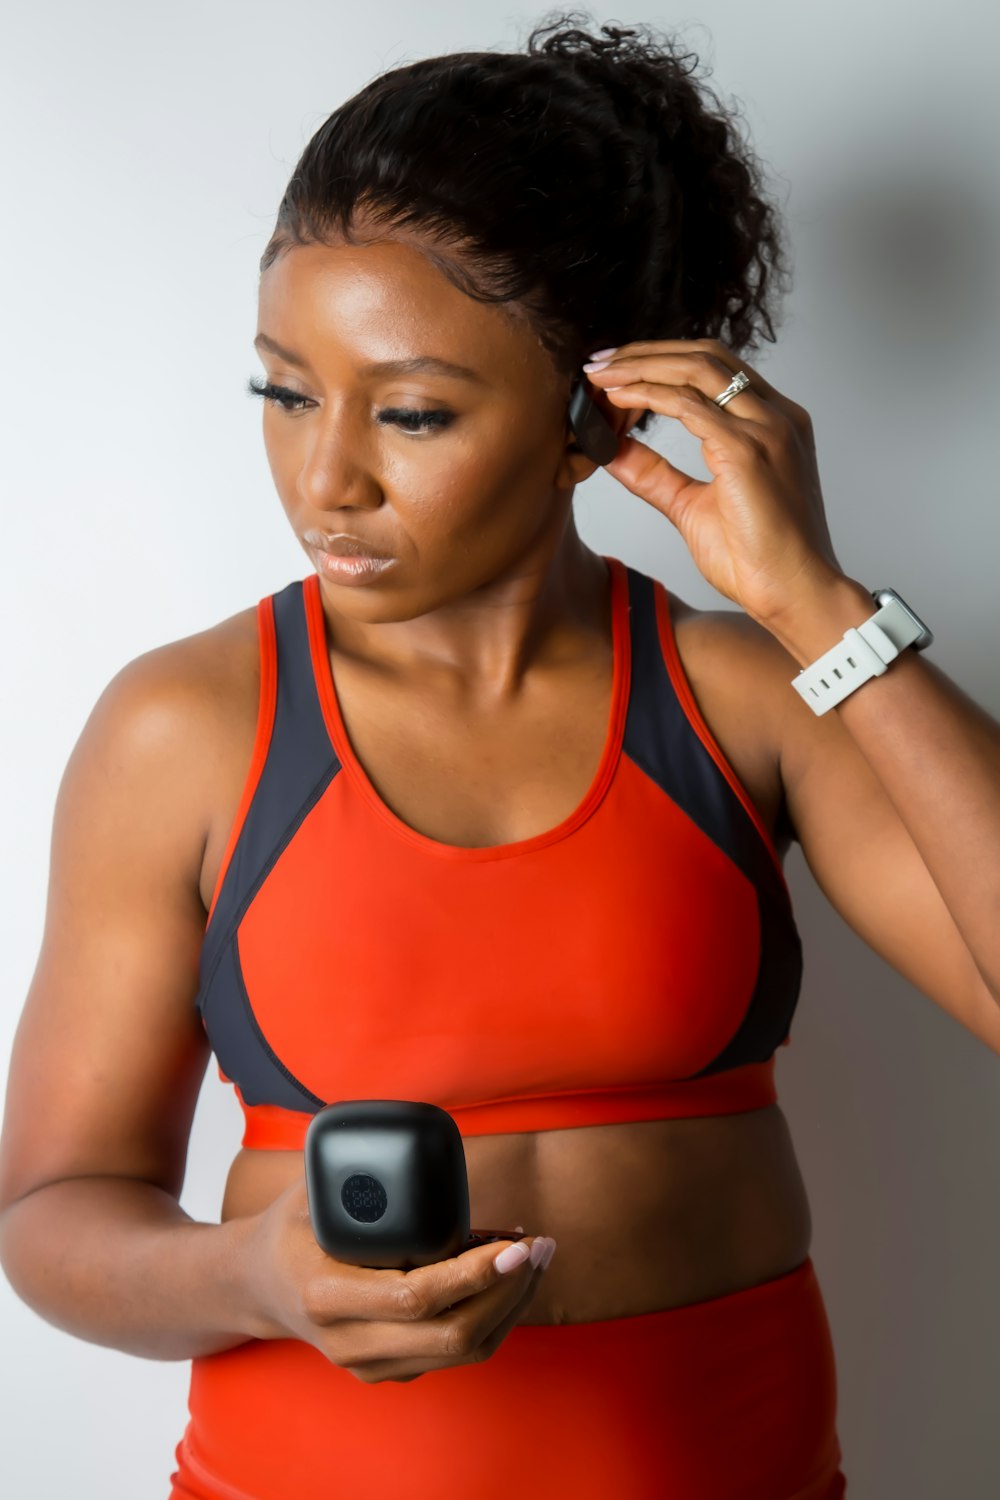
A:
{"x":650,"y":476}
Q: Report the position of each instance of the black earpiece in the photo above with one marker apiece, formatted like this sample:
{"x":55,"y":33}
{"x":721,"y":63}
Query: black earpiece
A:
{"x":590,"y":426}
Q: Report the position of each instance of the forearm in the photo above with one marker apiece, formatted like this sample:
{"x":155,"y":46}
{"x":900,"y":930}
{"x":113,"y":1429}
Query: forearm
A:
{"x":935,"y":751}
{"x":118,"y":1262}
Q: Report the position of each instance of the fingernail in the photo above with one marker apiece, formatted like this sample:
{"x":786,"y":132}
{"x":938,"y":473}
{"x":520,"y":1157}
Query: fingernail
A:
{"x":512,"y":1257}
{"x":600,"y":353}
{"x":538,"y":1249}
{"x":597,"y":364}
{"x":548,"y":1255}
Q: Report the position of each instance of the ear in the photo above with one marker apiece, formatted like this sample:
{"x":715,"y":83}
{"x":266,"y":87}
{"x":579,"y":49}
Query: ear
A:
{"x":575,"y":465}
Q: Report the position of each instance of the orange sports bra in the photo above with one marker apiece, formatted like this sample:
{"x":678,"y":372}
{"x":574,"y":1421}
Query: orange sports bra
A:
{"x":639,"y":961}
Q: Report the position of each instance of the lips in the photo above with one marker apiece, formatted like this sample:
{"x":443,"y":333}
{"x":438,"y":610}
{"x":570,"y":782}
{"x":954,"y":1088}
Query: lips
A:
{"x":342,"y":545}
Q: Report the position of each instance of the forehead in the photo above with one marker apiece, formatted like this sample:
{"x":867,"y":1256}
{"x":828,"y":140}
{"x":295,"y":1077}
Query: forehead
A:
{"x":384,"y":298}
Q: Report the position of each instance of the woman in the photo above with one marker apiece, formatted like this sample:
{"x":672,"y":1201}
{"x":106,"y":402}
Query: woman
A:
{"x":496,"y":823}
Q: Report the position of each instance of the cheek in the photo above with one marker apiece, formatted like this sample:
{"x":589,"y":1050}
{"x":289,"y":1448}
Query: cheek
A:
{"x":483,"y":494}
{"x":283,"y":446}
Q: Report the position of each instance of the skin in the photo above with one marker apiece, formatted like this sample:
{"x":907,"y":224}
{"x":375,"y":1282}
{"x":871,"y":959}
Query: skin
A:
{"x":490,"y":639}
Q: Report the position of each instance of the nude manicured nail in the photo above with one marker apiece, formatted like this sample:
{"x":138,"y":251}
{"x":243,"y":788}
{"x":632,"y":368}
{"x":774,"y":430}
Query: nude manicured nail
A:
{"x":512,"y":1257}
{"x":546,"y":1258}
{"x":538,"y":1249}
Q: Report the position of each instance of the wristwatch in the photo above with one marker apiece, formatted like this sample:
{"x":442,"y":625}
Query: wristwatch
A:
{"x":865,"y":651}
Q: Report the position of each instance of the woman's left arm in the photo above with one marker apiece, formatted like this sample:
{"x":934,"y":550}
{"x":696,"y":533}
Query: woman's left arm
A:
{"x":894,"y":794}
{"x":936,"y":756}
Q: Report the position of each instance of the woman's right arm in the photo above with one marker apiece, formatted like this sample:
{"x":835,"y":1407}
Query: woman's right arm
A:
{"x":110,"y":1052}
{"x":106,"y":1069}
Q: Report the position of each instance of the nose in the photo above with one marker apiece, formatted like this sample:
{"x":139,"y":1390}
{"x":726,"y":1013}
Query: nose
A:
{"x":334,"y":473}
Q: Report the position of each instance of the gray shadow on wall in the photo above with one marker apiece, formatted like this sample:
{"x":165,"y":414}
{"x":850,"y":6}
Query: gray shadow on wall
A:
{"x":912,"y":256}
{"x":893,"y":1108}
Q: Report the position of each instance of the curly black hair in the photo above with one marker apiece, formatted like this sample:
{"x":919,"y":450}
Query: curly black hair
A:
{"x":589,"y":184}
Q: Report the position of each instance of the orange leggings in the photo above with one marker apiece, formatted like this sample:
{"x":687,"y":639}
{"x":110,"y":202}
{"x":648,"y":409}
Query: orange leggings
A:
{"x":730,"y":1399}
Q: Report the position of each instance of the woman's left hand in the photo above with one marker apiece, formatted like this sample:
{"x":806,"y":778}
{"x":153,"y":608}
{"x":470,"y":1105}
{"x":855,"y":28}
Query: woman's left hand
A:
{"x":757,"y":530}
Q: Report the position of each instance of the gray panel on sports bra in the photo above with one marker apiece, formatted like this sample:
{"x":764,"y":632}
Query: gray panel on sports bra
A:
{"x":661,"y":740}
{"x":300,"y":765}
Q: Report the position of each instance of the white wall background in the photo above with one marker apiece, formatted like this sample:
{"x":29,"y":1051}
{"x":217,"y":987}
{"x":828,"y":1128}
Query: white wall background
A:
{"x":145,"y":152}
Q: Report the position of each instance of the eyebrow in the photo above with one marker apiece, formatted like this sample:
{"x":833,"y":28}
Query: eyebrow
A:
{"x":418,"y":364}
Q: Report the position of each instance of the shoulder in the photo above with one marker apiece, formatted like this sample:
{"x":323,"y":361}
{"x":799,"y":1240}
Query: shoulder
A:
{"x":168,"y":725}
{"x":739,"y":661}
{"x":190,"y":683}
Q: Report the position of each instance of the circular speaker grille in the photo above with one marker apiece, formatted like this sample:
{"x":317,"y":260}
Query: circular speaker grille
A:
{"x":364,"y":1197}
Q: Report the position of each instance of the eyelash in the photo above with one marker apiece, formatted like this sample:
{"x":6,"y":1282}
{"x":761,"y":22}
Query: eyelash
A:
{"x":280,"y":395}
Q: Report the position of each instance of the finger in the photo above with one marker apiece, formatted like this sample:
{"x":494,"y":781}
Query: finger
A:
{"x":700,"y":372}
{"x":493,"y":1340}
{"x":494,"y":1318}
{"x":481,"y":1342}
{"x":654,"y":479}
{"x":394,"y":1296}
{"x":727,"y":361}
{"x":460,"y":1326}
{"x":723,"y":440}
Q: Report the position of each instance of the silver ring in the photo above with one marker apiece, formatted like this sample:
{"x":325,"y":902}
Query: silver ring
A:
{"x":739,"y":382}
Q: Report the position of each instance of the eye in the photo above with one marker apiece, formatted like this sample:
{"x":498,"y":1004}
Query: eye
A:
{"x":412,"y":420}
{"x":409,"y":418}
{"x":276,"y":395}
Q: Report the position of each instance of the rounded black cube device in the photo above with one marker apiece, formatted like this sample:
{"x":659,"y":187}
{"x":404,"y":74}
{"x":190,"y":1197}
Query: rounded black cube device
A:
{"x":387,"y":1183}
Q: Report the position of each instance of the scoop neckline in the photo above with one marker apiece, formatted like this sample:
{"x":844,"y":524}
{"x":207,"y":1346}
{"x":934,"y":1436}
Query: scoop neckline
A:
{"x":322,"y":669}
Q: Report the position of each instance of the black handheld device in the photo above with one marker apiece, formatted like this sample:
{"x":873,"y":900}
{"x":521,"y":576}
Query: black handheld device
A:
{"x":387,"y":1184}
{"x":590,"y":426}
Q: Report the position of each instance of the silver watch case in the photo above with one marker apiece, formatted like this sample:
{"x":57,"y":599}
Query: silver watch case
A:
{"x":926,"y":636}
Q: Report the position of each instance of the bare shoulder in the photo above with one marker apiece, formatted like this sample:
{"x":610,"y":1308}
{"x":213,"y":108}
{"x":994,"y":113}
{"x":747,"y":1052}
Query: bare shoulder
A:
{"x":739,"y":677}
{"x":200,"y":667}
{"x":200,"y":693}
{"x":207,"y":687}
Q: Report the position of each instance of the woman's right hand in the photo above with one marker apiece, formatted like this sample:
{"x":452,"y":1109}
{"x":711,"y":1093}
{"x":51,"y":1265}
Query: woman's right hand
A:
{"x":380,"y":1324}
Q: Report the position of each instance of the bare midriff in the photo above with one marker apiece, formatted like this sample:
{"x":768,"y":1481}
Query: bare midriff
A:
{"x":648,"y":1215}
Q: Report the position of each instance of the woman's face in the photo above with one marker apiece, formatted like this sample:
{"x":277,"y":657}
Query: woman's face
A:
{"x":463,"y":479}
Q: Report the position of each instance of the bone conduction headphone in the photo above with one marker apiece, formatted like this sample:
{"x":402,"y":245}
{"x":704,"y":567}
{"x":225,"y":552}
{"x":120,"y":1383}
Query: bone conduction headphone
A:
{"x":590,"y":426}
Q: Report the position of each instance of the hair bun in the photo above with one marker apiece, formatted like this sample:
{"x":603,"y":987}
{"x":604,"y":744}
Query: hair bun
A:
{"x":590,"y":182}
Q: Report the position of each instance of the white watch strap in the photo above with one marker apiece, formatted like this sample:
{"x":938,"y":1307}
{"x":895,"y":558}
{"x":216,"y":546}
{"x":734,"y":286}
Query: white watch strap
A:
{"x":864,"y":652}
